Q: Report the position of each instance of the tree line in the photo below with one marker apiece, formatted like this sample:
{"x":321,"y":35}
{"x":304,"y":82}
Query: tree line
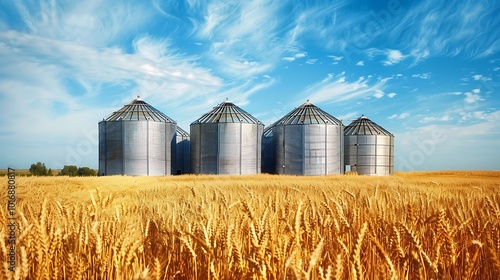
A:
{"x":39,"y":169}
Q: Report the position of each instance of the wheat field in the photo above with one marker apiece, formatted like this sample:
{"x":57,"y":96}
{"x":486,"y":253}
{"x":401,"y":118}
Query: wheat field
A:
{"x":439,"y":225}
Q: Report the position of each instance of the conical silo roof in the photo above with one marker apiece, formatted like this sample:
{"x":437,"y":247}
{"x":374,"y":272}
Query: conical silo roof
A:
{"x":181,"y":132}
{"x":268,"y":132}
{"x":307,"y":113}
{"x":227,"y":112}
{"x":139,"y":110}
{"x":364,"y":126}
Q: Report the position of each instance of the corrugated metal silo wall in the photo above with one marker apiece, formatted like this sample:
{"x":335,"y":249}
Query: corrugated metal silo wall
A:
{"x":161,"y":148}
{"x":147,"y":148}
{"x":268,"y":158}
{"x":171,"y":147}
{"x":135,"y":147}
{"x":229,"y":148}
{"x":110,"y":148}
{"x":313,"y":149}
{"x":182,"y":158}
{"x":335,"y":159}
{"x":204,"y":148}
{"x":226,"y":148}
{"x":250,"y":140}
{"x":102,"y":148}
{"x":370,"y":154}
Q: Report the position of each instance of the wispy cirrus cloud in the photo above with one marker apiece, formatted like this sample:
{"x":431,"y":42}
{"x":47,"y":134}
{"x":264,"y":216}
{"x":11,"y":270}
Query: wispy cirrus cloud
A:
{"x":311,"y":61}
{"x":95,"y":22}
{"x":295,"y":56}
{"x":62,"y":86}
{"x":245,"y":37}
{"x":424,"y":76}
{"x":399,"y":116}
{"x":444,"y":118}
{"x":334,"y":89}
{"x":459,"y":28}
{"x":391,"y":56}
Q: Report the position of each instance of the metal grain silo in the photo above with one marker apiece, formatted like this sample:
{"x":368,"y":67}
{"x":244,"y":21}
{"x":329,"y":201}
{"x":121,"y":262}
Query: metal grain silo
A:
{"x":182,"y":152}
{"x":369,"y":148}
{"x":136,"y":140}
{"x":226,"y":140}
{"x":309,"y":141}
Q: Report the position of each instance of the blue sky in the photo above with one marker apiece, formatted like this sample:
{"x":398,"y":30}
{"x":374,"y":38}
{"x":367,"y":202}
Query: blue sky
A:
{"x":427,"y":71}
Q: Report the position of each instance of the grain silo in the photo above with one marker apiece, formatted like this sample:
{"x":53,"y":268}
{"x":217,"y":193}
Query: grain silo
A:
{"x":136,"y":140}
{"x":369,"y":148}
{"x":309,"y":141}
{"x":182,"y":151}
{"x":226,"y":140}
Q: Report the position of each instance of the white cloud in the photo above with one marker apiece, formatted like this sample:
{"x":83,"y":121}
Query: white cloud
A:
{"x":391,"y":56}
{"x":92,"y":23}
{"x":481,"y":115}
{"x":469,"y":28}
{"x":478,"y":77}
{"x":471,"y":98}
{"x":378,"y":94}
{"x":336,"y":58}
{"x":338,"y":89}
{"x":295,"y":56}
{"x":394,"y":57}
{"x":360,"y":63}
{"x":399,"y":117}
{"x":424,"y":76}
{"x":476,"y":90}
{"x":311,"y":61}
{"x":404,"y":116}
{"x":347,"y":118}
{"x":242,"y":32}
{"x":391,"y":95}
{"x":444,"y":118}
{"x":300,"y":54}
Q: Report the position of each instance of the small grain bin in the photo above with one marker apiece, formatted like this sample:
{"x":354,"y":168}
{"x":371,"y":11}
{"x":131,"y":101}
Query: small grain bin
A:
{"x":369,"y":148}
{"x":226,"y":140}
{"x":182,"y":152}
{"x":308,"y":141}
{"x":136,"y":140}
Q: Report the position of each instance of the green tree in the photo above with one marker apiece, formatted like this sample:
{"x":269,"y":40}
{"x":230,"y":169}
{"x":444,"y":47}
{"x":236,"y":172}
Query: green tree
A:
{"x":86,"y":171}
{"x":69,"y":170}
{"x":38,"y":169}
{"x":49,"y":173}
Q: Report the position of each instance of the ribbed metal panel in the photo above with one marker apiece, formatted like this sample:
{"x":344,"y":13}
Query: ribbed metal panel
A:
{"x":369,"y":148}
{"x":182,"y":161}
{"x":226,"y":140}
{"x":102,"y":147}
{"x":308,"y":141}
{"x":110,"y":148}
{"x":136,"y":140}
{"x":135,"y":147}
